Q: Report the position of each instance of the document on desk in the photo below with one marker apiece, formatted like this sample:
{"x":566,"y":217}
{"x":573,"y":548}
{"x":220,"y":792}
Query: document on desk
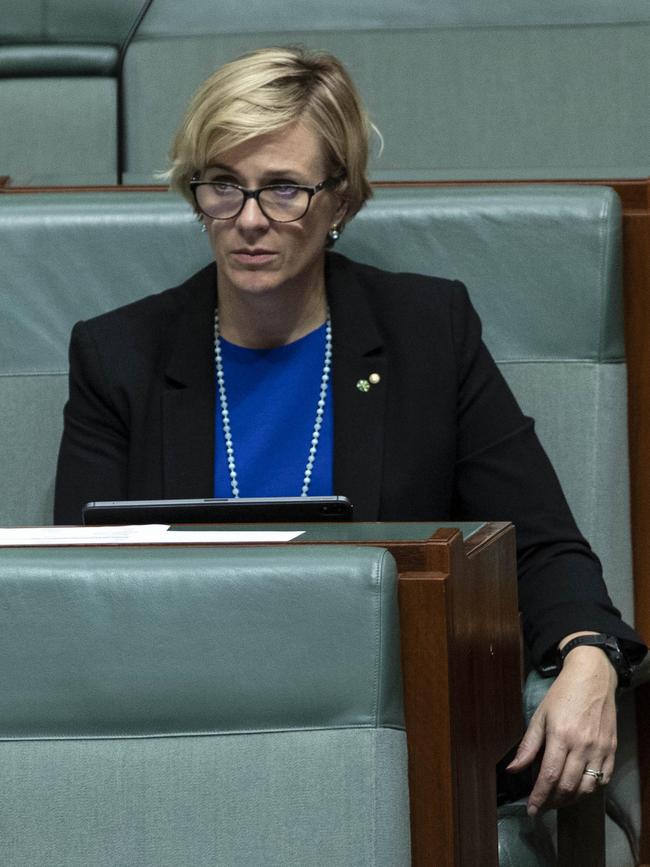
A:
{"x":139,"y":534}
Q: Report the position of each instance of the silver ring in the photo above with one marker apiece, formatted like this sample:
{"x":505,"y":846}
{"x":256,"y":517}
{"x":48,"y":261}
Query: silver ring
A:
{"x":597,"y":775}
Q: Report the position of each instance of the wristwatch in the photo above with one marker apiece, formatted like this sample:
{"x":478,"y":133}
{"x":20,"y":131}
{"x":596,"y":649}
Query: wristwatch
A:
{"x":610,"y":645}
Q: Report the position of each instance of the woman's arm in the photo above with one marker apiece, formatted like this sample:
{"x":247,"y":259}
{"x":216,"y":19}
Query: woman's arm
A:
{"x":503,"y":473}
{"x":93,"y":456}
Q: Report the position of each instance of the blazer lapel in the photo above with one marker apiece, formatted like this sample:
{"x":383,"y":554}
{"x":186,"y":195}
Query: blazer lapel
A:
{"x":188,"y":400}
{"x":359,"y":396}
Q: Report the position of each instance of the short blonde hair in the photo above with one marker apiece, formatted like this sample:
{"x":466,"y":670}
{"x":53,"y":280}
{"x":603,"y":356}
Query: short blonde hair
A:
{"x":262,"y":92}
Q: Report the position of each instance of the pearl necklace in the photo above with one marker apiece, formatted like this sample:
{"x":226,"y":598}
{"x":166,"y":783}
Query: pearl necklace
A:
{"x":225,"y":415}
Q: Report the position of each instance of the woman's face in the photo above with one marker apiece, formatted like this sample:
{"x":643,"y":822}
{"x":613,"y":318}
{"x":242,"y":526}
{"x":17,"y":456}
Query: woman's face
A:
{"x":254,"y":254}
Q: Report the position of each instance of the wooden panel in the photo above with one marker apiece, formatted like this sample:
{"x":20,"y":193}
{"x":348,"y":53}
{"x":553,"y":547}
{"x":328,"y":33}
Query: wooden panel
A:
{"x":486,"y":685}
{"x":636,"y":276}
{"x":424,"y":628}
{"x":462,"y":693}
{"x":636,"y":279}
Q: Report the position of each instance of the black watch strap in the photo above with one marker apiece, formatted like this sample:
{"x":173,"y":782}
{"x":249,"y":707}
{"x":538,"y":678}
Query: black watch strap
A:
{"x":610,"y":645}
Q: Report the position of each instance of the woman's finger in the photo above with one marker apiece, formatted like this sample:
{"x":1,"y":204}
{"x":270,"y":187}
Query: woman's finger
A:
{"x":550,"y":772}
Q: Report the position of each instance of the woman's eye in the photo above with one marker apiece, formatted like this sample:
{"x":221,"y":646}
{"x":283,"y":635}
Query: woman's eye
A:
{"x":221,"y":188}
{"x":286,"y":192}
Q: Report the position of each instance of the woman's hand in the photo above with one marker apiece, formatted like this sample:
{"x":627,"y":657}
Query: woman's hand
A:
{"x":575,"y":724}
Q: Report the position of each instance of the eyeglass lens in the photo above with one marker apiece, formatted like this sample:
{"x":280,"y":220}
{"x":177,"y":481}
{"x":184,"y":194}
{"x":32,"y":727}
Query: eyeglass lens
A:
{"x":282,"y":203}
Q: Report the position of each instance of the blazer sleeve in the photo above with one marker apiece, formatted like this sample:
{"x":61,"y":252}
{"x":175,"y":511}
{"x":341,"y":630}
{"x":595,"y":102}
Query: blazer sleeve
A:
{"x":502,"y":471}
{"x":93,"y":455}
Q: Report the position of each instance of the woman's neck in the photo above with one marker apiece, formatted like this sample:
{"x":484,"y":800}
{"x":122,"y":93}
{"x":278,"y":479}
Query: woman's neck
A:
{"x":269,"y":319}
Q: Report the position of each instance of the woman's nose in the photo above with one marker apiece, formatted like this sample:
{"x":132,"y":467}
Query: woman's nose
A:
{"x":251,"y":215}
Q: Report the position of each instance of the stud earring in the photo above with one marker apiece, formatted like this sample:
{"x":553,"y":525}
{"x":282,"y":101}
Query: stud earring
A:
{"x":334,"y":234}
{"x":204,"y":228}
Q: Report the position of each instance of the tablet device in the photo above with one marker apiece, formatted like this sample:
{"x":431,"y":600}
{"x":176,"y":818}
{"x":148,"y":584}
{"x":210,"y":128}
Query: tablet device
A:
{"x":240,"y":510}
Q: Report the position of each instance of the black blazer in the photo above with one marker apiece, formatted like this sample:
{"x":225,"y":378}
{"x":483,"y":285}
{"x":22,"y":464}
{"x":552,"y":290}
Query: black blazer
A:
{"x":439,"y":437}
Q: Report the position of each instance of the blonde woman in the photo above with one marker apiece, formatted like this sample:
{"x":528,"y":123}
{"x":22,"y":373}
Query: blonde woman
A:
{"x":284,"y":368}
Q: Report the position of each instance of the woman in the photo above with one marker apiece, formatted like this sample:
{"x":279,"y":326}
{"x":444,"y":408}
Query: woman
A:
{"x":283,"y":369}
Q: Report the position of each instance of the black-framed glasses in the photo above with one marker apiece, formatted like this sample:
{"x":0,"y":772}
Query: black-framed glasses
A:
{"x":281,"y":203}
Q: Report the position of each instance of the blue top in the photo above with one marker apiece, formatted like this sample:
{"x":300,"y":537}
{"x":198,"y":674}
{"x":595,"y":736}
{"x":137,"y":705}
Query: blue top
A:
{"x":272,"y":397}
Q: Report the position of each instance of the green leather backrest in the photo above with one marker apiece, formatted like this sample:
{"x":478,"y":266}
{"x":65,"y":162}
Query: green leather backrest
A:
{"x":63,"y":128}
{"x":59,"y":63}
{"x":67,"y":21}
{"x":193,"y":706}
{"x":167,"y":19}
{"x":163,"y":641}
{"x":542,"y":265}
{"x":459,"y":90}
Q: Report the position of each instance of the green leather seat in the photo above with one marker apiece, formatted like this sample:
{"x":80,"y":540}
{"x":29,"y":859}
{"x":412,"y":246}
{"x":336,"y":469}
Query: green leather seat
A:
{"x":59,"y":67}
{"x":543,"y":268}
{"x":459,"y":88}
{"x":201,"y":707}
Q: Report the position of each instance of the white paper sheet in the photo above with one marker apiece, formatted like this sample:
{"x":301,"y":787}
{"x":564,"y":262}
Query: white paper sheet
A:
{"x":137,"y":534}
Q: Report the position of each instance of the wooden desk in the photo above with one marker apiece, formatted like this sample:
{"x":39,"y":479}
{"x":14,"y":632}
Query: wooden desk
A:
{"x":462,"y":677}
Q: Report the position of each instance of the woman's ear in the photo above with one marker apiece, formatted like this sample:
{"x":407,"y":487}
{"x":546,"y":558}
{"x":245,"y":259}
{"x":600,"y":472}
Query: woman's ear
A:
{"x":341,"y":212}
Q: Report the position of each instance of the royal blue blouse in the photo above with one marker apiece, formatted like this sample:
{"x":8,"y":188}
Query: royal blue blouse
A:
{"x":272,"y":397}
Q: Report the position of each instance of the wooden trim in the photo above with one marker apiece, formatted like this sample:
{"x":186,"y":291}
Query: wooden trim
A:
{"x":83,"y":188}
{"x":634,"y":192}
{"x":636,"y":282}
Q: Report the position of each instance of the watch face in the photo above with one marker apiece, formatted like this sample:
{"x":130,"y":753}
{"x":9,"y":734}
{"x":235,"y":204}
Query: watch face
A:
{"x":618,"y":659}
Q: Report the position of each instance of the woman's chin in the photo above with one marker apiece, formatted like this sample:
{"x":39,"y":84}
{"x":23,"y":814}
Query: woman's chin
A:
{"x":254,"y":284}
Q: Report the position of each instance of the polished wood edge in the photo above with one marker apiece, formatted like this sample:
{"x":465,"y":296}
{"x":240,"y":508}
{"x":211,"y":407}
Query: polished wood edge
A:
{"x":425,"y":651}
{"x":444,"y":535}
{"x":434,"y":577}
{"x":84,"y":188}
{"x":634,"y":192}
{"x":485,"y":535}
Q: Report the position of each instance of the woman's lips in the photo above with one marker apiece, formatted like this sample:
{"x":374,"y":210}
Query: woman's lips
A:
{"x":253,"y":257}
